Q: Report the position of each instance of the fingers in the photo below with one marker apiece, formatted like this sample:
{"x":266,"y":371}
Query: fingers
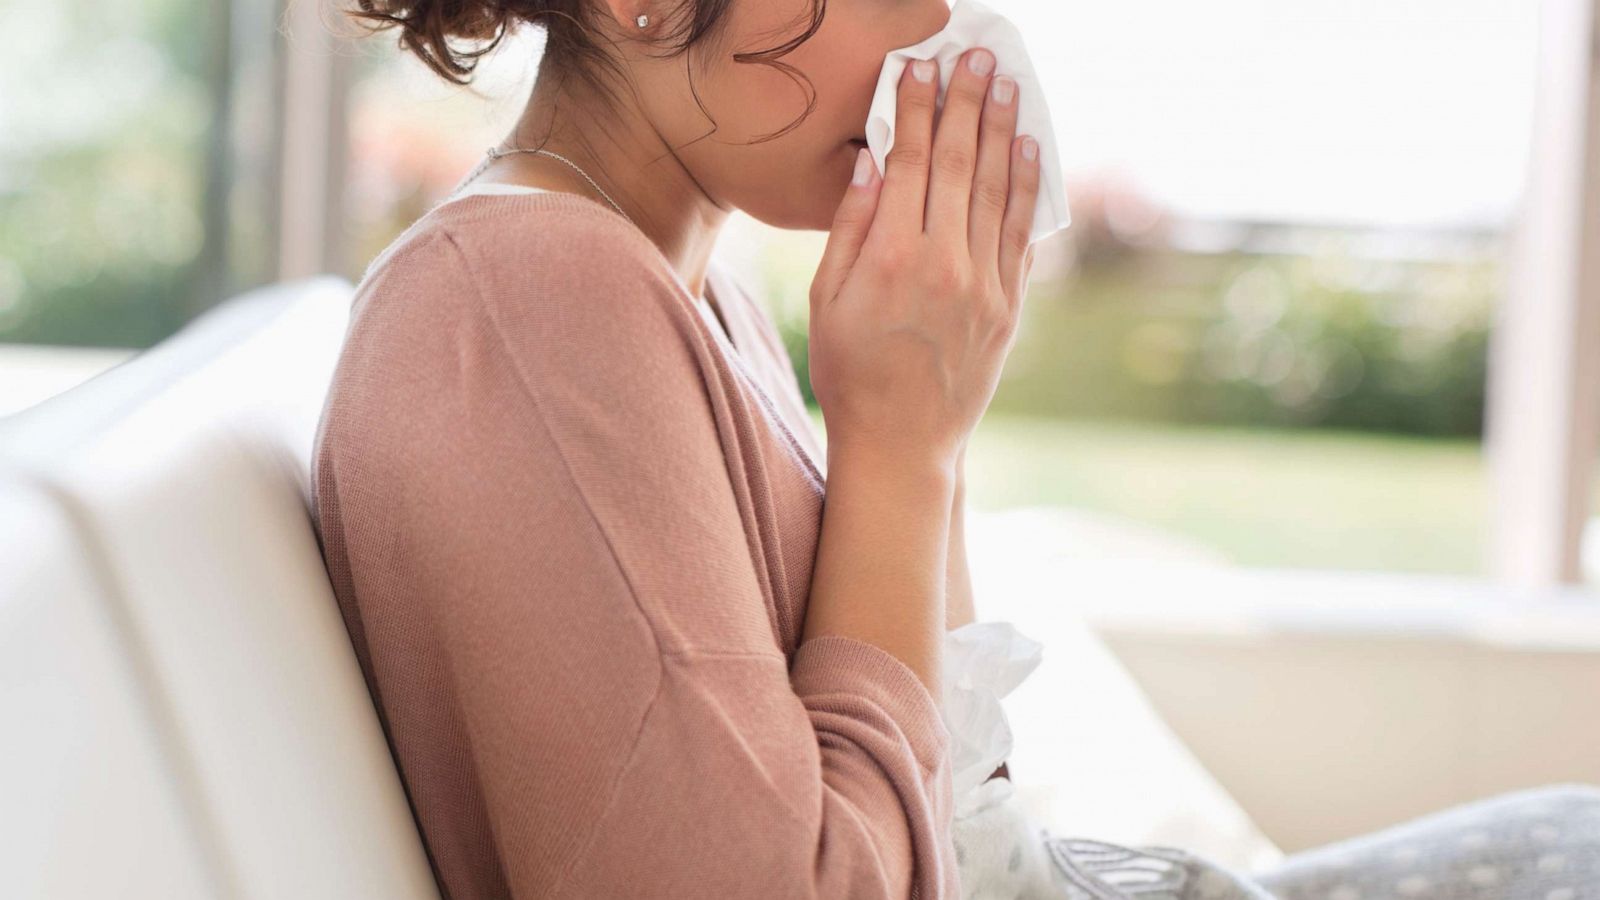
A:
{"x":955,"y":147}
{"x":1017,"y":224}
{"x":850,"y":225}
{"x":1022,"y":289}
{"x":905,"y":176}
{"x":1027,"y":272}
{"x":991,"y":185}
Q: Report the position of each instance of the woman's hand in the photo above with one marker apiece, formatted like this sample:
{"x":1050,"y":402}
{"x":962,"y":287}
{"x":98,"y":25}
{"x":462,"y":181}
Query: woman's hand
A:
{"x":916,"y":302}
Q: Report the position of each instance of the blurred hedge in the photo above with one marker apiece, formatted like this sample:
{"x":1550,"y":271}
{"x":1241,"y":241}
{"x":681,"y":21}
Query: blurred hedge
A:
{"x":1323,"y":339}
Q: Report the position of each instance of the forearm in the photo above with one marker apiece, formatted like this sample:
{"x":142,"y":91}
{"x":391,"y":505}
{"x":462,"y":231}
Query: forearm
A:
{"x":880,"y":567}
{"x":959,"y":609}
{"x":959,"y":606}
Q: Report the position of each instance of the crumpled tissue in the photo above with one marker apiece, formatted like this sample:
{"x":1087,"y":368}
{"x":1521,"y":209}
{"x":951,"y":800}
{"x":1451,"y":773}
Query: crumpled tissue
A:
{"x":972,"y":25}
{"x":983,"y":662}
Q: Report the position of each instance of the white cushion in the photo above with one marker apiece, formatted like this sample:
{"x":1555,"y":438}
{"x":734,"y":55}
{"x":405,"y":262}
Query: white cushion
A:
{"x":87,"y":768}
{"x":182,"y":476}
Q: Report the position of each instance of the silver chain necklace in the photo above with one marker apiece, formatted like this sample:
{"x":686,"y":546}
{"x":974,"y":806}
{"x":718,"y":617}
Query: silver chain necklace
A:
{"x":496,"y":153}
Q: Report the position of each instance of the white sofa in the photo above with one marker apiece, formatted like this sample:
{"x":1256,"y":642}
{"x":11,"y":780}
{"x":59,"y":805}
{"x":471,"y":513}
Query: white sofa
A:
{"x":184,"y":716}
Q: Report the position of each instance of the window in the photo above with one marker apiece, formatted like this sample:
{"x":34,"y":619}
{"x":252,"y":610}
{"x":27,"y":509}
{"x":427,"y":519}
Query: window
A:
{"x":1269,"y":336}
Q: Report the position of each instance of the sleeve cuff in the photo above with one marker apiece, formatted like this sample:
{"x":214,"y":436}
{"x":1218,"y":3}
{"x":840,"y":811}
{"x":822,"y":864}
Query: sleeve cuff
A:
{"x":834,"y":663}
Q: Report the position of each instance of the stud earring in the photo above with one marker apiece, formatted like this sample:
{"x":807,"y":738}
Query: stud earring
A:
{"x":643,"y":20}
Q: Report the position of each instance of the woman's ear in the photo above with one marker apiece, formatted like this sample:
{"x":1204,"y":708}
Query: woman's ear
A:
{"x":633,"y":16}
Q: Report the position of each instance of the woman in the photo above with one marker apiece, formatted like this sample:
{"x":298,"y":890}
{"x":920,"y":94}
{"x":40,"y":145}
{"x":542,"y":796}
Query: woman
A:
{"x":570,"y":499}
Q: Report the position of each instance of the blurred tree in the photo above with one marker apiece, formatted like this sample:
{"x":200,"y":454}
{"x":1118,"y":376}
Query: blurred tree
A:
{"x":103,"y":162}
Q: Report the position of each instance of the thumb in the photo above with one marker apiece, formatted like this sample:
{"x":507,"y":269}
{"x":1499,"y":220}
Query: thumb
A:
{"x":849,"y":230}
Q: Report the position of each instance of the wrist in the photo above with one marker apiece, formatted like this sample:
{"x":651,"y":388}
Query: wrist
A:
{"x":913,"y":465}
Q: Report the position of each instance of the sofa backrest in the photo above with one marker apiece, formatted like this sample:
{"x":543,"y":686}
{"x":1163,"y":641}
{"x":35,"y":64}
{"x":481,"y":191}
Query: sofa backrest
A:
{"x":183,"y":708}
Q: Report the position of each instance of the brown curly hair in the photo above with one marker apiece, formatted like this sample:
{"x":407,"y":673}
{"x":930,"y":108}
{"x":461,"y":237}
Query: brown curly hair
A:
{"x":427,"y":28}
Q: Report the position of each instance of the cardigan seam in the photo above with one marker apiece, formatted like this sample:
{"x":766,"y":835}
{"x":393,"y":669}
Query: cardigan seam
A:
{"x":778,"y":657}
{"x":615,"y":789}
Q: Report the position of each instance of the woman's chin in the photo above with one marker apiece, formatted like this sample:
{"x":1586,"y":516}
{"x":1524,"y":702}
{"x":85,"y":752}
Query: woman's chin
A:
{"x":816,"y":218}
{"x":811,"y":209}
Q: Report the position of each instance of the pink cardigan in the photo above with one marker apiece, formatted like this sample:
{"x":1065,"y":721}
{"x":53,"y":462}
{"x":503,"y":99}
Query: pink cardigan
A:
{"x":571,"y":530}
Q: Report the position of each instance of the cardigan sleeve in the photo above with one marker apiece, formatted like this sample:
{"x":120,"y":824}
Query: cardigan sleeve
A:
{"x":635,"y":727}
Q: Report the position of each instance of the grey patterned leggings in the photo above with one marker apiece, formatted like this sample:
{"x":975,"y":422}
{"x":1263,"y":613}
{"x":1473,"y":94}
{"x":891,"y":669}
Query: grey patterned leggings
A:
{"x":1540,"y":843}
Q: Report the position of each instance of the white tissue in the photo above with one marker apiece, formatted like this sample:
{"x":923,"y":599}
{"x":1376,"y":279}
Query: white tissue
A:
{"x":983,"y":661}
{"x":974,"y":25}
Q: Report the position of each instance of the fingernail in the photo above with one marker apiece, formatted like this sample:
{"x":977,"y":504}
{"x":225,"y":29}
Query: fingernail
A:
{"x":981,"y":61}
{"x":863,"y":173}
{"x":922,"y":70}
{"x":1003,"y":89}
{"x":1030,"y":149}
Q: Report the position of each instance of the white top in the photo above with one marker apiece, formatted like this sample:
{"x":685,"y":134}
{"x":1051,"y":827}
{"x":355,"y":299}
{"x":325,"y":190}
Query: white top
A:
{"x":984,"y":661}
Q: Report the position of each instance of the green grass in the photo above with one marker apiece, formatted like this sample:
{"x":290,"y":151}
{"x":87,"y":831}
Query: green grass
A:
{"x":1264,"y":497}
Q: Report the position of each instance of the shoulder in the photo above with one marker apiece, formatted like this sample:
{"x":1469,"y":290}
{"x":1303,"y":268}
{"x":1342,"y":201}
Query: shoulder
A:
{"x":533,"y":246}
{"x":577,"y":302}
{"x":498,"y":326}
{"x":538,"y":267}
{"x":542,"y":247}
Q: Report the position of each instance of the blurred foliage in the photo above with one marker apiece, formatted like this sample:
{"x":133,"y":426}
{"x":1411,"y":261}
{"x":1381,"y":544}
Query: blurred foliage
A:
{"x":1310,"y":341}
{"x":1304,"y":498}
{"x":1322,"y":339}
{"x":102,"y":130}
